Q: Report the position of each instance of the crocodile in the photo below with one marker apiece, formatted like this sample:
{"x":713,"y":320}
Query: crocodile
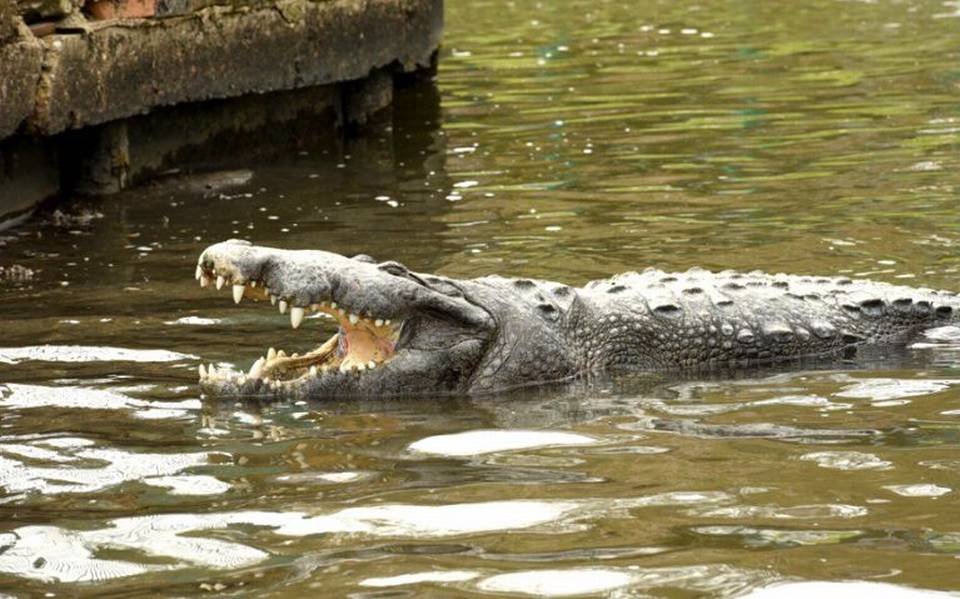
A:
{"x":405,"y":333}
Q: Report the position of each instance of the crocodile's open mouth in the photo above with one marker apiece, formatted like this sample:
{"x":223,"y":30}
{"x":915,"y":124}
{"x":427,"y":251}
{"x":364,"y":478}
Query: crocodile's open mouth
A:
{"x":363,"y":343}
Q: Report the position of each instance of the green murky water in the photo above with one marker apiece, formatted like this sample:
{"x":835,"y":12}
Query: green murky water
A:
{"x":567,"y":140}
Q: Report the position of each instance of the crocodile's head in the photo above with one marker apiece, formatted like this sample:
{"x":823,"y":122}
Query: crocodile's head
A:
{"x":399,"y":332}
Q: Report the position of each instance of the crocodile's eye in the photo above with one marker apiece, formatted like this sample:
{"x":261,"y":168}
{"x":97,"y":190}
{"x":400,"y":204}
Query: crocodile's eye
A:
{"x":364,"y":258}
{"x":394,"y":268}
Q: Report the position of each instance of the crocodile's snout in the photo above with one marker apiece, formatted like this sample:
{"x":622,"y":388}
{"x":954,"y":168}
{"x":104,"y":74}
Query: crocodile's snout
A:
{"x":363,"y":342}
{"x":372,"y":305}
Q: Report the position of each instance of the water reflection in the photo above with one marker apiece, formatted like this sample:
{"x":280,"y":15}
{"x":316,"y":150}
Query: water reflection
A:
{"x":718,"y":580}
{"x":846,"y":588}
{"x":488,"y":441}
{"x":567,"y":140}
{"x":55,"y":554}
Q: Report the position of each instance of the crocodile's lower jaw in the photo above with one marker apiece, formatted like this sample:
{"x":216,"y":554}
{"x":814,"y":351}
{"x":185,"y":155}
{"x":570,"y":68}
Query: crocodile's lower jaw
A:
{"x":362,"y":344}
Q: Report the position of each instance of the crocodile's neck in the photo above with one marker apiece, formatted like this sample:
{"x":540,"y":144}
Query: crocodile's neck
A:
{"x":606,"y":334}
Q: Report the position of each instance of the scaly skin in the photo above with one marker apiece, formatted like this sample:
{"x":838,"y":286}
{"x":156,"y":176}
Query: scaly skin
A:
{"x":423,"y":334}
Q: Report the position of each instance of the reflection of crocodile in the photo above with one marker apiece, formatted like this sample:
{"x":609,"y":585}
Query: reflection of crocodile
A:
{"x":408,"y":333}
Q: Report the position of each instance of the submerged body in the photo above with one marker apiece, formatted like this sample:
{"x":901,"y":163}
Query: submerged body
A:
{"x":404,"y":333}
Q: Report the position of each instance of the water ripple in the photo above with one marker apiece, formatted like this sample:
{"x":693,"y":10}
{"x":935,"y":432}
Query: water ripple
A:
{"x":31,"y":397}
{"x":847,"y":460}
{"x":83,"y":353}
{"x":472,"y":443}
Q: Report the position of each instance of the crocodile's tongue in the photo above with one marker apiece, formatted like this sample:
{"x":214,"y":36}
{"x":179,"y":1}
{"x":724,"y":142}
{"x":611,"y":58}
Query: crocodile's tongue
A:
{"x":355,"y":347}
{"x":362,"y":346}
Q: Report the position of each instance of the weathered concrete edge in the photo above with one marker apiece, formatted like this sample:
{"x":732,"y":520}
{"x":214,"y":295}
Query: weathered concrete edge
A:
{"x":129,"y":68}
{"x":20,"y":62}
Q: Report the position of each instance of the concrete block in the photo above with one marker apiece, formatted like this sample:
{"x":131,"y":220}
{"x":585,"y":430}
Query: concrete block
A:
{"x":108,"y":158}
{"x":20,"y":62}
{"x":119,"y":71}
{"x":363,"y":98}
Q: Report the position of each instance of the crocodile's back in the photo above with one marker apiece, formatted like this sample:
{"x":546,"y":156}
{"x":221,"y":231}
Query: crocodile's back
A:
{"x":698,"y":317}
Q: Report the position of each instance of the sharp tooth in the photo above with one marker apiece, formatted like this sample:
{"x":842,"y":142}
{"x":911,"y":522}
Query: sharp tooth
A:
{"x":204,"y":281}
{"x":313,"y":371}
{"x":212,"y":371}
{"x":242,"y":380}
{"x":344,"y":367}
{"x":271,"y":353}
{"x":333,"y":305}
{"x":220,"y":282}
{"x":281,"y":353}
{"x":256,"y":369}
{"x":371,"y":364}
{"x":341,"y":312}
{"x":253,"y":283}
{"x":203,"y":372}
{"x":283,"y":306}
{"x":315,"y":307}
{"x":237,"y":293}
{"x":354,"y":318}
{"x":387,"y":321}
{"x":273,"y":300}
{"x":296,"y":316}
{"x":199,"y":272}
{"x":379,"y":322}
